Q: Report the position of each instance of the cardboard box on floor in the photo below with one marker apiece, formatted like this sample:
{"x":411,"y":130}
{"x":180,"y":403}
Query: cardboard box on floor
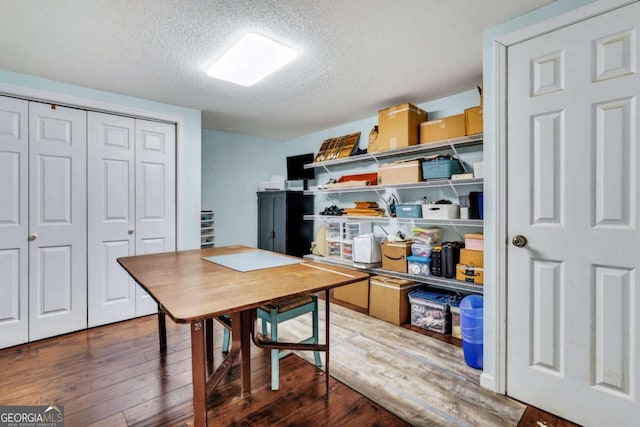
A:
{"x":355,"y":293}
{"x":388,"y":298}
{"x":399,"y":126}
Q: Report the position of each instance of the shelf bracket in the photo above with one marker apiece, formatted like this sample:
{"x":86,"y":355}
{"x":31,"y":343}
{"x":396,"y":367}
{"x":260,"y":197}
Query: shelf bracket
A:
{"x":453,"y":187}
{"x":455,"y":153}
{"x":326,"y":169}
{"x":460,"y":235}
{"x":375,"y":159}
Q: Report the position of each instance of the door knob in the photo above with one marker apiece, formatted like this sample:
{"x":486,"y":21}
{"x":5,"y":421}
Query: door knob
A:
{"x":33,"y":237}
{"x":130,"y":231}
{"x":519,"y":241}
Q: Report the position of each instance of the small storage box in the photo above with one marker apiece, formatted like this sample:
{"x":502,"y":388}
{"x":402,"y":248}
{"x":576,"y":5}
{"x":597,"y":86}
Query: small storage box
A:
{"x":366,"y":249}
{"x":421,"y":249}
{"x":400,"y":173}
{"x":441,"y":129}
{"x":399,"y":126}
{"x":471,"y":257}
{"x":409,"y":211}
{"x":419,"y":265}
{"x":441,"y":211}
{"x":474,"y":241}
{"x":430,"y":310}
{"x":394,"y":256}
{"x":388,"y":298}
{"x":470,"y":273}
{"x":473,"y":120}
{"x":440,"y":168}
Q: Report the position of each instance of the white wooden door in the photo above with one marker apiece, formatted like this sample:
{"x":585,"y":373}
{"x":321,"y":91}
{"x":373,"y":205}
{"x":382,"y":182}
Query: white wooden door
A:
{"x":57,"y":220}
{"x":573,"y":299}
{"x":155,"y":196}
{"x":111,"y":217}
{"x":14,"y":222}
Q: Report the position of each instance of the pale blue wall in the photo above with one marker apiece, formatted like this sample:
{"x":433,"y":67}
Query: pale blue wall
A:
{"x":189,"y":161}
{"x":491,"y":364}
{"x":232,"y":166}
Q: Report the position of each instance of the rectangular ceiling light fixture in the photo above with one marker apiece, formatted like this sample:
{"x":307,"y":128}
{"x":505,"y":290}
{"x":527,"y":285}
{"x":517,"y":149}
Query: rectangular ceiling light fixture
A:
{"x":250,"y":60}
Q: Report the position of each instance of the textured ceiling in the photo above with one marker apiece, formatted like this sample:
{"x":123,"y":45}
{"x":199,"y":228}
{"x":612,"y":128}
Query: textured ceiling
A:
{"x":355,"y":57}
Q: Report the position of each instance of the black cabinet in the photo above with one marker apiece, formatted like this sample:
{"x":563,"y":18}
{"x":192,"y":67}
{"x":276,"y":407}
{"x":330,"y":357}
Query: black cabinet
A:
{"x":281,"y":227}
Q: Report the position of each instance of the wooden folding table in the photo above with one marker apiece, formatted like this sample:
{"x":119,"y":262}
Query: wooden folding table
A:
{"x":192,"y":290}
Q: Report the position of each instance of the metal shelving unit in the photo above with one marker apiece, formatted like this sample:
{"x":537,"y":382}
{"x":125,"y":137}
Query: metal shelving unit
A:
{"x":414,"y":185}
{"x":464,"y":141}
{"x":449,"y":144}
{"x":416,"y":221}
{"x":435,"y":281}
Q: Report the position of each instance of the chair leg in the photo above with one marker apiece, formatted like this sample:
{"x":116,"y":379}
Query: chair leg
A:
{"x":314,"y":317}
{"x":226,"y":337}
{"x":275,"y":354}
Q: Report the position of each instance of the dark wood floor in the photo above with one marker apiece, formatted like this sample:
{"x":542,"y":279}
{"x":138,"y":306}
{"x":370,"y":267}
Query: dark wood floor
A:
{"x":114,"y":376}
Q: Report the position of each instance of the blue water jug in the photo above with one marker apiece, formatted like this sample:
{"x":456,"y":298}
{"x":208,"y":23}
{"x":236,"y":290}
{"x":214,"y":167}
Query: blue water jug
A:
{"x":471,"y":315}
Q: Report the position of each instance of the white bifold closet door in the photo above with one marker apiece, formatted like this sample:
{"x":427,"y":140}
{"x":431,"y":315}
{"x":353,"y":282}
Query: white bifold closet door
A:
{"x":14,"y":222}
{"x":155,"y":196}
{"x":57,"y":220}
{"x":131,"y":209}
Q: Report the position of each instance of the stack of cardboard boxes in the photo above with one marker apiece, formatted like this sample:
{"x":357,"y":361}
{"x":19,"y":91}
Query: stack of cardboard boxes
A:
{"x":405,"y":124}
{"x":471,"y":266}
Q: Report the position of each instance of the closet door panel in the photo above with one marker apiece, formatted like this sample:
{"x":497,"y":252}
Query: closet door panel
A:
{"x":14,"y":219}
{"x":111,"y":218}
{"x":155,"y":196}
{"x":57,"y":220}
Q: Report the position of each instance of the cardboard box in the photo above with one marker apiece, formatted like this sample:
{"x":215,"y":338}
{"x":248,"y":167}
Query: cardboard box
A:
{"x":394,"y":255}
{"x":355,"y":293}
{"x":471,"y":257}
{"x":474,"y":241}
{"x":473,"y":120}
{"x":388,"y":298}
{"x":399,"y":126}
{"x":400,"y":172}
{"x":469,"y":273}
{"x":445,"y":128}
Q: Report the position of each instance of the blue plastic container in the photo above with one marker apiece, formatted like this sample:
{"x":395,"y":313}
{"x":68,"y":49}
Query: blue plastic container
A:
{"x":471,"y":316}
{"x":408,"y":211}
{"x":440,"y":168}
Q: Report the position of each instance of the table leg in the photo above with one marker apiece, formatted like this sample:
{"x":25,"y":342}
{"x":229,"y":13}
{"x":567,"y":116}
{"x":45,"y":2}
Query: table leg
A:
{"x":198,"y":374}
{"x":241,"y":335}
{"x":327,"y":340}
{"x":162,"y":329}
{"x":208,"y":327}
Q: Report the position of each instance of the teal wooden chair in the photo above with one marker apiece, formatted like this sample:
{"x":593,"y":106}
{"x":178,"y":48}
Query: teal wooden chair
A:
{"x":281,"y":311}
